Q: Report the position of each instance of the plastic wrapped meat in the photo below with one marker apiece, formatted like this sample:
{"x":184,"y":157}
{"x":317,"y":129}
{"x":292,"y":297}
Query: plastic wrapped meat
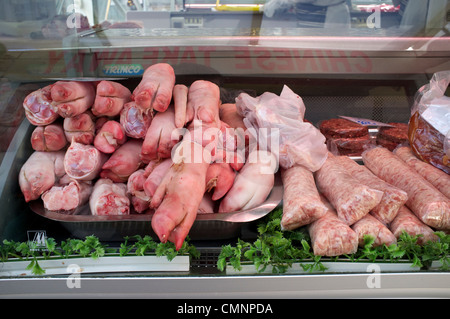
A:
{"x":393,"y":197}
{"x":67,"y":195}
{"x":253,"y":183}
{"x":72,"y":98}
{"x":278,"y":121}
{"x":135,"y":121}
{"x":109,"y":198}
{"x":40,"y":172}
{"x":369,"y":225}
{"x":154,"y":92}
{"x":301,"y":200}
{"x":48,"y":138}
{"x":428,"y":203}
{"x":330,"y":236}
{"x":83,"y":161}
{"x":123,"y":162}
{"x":406,"y":221}
{"x":110,"y":98}
{"x":110,"y":137}
{"x":38,"y":107}
{"x":178,"y":197}
{"x":391,"y":137}
{"x":435,"y":176}
{"x":80,"y":128}
{"x":351,"y":198}
{"x":161,"y":137}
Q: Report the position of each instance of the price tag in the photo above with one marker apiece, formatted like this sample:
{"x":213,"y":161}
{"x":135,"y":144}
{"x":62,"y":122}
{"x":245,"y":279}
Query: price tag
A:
{"x":366,"y":122}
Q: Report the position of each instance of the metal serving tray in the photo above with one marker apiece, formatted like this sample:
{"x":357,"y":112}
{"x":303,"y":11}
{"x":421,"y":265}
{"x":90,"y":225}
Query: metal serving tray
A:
{"x":213,"y":226}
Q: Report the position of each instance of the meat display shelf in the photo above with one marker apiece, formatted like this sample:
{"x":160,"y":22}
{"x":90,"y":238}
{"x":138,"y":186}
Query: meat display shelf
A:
{"x":356,"y":285}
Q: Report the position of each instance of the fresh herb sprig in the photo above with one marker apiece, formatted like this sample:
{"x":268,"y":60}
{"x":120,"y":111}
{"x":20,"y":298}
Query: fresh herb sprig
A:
{"x":90,"y":247}
{"x":280,"y":249}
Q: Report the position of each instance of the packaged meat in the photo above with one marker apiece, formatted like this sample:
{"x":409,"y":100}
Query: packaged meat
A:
{"x":392,"y":136}
{"x":110,"y":137}
{"x":301,"y":200}
{"x":47,"y":138}
{"x":154,"y":91}
{"x":123,"y":162}
{"x":369,"y":225}
{"x":67,"y":197}
{"x":435,"y":176}
{"x":406,"y":221}
{"x":429,"y":124}
{"x":277,"y":123}
{"x":109,"y":198}
{"x":38,"y":107}
{"x":393,"y":197}
{"x":426,"y":202}
{"x":330,"y":236}
{"x":351,"y":198}
{"x":80,"y":128}
{"x":342,"y":128}
{"x":110,"y":98}
{"x":40,"y":172}
{"x":71,"y":98}
{"x":83,"y":161}
{"x":134,"y":120}
{"x":253,"y":183}
{"x":349,"y":146}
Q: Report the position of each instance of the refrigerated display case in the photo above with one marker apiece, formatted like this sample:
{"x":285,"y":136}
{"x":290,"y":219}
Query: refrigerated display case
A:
{"x":364,"y":59}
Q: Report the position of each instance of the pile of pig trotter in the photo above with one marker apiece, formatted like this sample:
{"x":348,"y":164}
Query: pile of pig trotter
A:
{"x":175,"y":151}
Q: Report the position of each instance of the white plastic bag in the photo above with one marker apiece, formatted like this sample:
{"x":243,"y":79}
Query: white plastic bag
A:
{"x":276,"y":123}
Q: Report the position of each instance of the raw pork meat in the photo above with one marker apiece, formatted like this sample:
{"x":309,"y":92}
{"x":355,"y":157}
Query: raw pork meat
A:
{"x":123,"y":162}
{"x":110,"y":98}
{"x":48,"y":138}
{"x":38,"y":107}
{"x":68,"y":195}
{"x":301,"y":200}
{"x":393,"y":197}
{"x":110,"y":137}
{"x":109,"y":198}
{"x":406,"y":221}
{"x":178,"y":197}
{"x":40,"y":172}
{"x":434,"y":175}
{"x":135,"y":121}
{"x":426,"y":201}
{"x":180,"y":93}
{"x":83,"y":161}
{"x":330,"y":236}
{"x":351,"y":198}
{"x":154,"y":92}
{"x":72,"y":98}
{"x":135,"y":188}
{"x":220,"y":177}
{"x":369,"y":225}
{"x":161,"y":137}
{"x":80,"y":128}
{"x":155,"y":177}
{"x":252,"y":184}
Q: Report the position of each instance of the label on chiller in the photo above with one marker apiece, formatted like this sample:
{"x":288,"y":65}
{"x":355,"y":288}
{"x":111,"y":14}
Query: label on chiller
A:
{"x":366,"y":122}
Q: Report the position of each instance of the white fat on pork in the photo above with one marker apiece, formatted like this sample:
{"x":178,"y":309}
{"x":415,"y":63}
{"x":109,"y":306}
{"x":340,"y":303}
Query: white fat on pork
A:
{"x":109,"y":198}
